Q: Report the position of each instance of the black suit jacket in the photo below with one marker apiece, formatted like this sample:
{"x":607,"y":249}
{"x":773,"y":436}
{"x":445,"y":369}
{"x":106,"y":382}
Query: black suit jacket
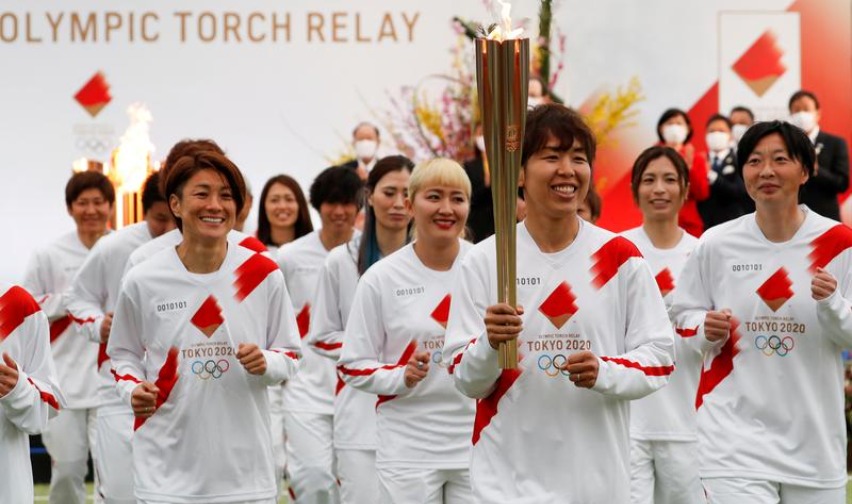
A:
{"x":481,"y":218}
{"x":820,"y":192}
{"x":728,"y":197}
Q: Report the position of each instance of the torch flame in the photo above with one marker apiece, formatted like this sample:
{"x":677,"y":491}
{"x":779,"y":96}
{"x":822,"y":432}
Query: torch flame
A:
{"x":131,"y":159}
{"x":504,"y":31}
{"x":80,"y":165}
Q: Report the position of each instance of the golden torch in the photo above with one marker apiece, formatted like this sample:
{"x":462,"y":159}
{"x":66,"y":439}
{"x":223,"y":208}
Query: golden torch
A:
{"x":502,"y":77}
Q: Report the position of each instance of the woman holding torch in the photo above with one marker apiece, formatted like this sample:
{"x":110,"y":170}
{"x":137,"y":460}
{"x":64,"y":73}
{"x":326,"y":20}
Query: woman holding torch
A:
{"x":200,"y":331}
{"x":590,"y":327}
{"x":393,"y":346}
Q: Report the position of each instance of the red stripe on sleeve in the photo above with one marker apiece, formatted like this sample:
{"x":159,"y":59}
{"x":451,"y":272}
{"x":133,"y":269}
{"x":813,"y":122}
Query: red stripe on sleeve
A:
{"x":458,"y":358}
{"x":102,"y":354}
{"x":403,"y":360}
{"x":79,"y":321}
{"x":166,"y":380}
{"x":486,"y":408}
{"x":686,"y":332}
{"x":252,"y":273}
{"x":46,"y":397}
{"x":322,"y":345}
{"x":124,"y":377}
{"x":829,"y":245}
{"x":609,"y":258}
{"x":58,"y":326}
{"x":721,"y":367}
{"x":16,"y":304}
{"x":648,"y":370}
{"x":292,"y":355}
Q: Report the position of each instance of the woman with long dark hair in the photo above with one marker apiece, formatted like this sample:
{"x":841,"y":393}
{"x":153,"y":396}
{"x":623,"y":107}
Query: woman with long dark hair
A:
{"x":283,"y":215}
{"x":385,"y":231}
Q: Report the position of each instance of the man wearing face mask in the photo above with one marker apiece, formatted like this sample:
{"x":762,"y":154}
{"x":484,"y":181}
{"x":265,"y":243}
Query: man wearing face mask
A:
{"x":728,"y":198}
{"x":480,"y":222}
{"x":365,"y":141}
{"x":741,"y":120}
{"x":538,"y":93}
{"x":831,"y":176}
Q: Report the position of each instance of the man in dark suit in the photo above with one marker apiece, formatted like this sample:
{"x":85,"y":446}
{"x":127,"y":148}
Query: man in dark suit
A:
{"x":831,"y":176}
{"x":365,"y":141}
{"x":728,"y":197}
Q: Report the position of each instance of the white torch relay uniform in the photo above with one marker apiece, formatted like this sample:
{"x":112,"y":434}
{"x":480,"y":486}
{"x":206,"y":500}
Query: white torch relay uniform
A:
{"x":93,"y":294}
{"x":537,"y":438}
{"x":354,"y":410}
{"x":770,"y":401}
{"x":663,"y":438}
{"x":308,"y":400}
{"x":24,"y":411}
{"x":209,"y":440}
{"x":71,"y":434}
{"x":401,"y":307}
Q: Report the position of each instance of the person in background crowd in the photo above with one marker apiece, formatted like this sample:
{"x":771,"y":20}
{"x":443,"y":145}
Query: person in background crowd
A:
{"x":365,"y":140}
{"x":481,"y":221}
{"x":766,"y":299}
{"x":240,"y":223}
{"x":89,"y":198}
{"x":538,"y":93}
{"x":29,"y":389}
{"x":674,"y":129}
{"x":741,"y":120}
{"x":728,"y":198}
{"x":663,"y":442}
{"x":283,"y":216}
{"x":92,"y":298}
{"x":385,"y":232}
{"x":591,"y":207}
{"x":831,"y":174}
{"x":201,"y":329}
{"x":393,"y":347}
{"x":594,"y":335}
{"x":309,"y":398}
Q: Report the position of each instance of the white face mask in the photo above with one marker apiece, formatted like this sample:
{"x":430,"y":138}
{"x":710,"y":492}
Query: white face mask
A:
{"x":804,"y":120}
{"x":718,"y":141}
{"x":737,"y":131}
{"x":480,"y":143}
{"x":533,"y":102}
{"x":674,"y":134}
{"x":366,"y":149}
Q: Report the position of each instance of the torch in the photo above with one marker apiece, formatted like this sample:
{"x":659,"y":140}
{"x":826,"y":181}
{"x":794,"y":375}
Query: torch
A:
{"x":502,"y":77}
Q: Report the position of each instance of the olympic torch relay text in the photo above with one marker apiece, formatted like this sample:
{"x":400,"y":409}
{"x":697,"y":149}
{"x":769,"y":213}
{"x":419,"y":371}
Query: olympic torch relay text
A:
{"x":228,"y":27}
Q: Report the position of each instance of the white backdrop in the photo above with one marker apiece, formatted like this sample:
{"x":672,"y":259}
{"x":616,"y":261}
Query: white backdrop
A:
{"x":282,"y":106}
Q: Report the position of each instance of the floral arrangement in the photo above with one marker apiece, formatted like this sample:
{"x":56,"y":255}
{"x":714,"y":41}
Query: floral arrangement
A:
{"x":437,"y":115}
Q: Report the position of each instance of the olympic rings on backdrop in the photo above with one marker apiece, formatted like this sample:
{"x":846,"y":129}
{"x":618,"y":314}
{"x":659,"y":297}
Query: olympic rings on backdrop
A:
{"x":210,"y":369}
{"x":552,"y":365}
{"x":92,"y":144}
{"x":770,"y":345}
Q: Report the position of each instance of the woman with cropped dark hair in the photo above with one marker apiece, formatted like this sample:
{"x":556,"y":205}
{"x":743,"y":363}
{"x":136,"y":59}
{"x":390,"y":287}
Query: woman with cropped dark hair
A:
{"x":200,"y":331}
{"x":766,"y":298}
{"x":284,"y":214}
{"x":70,"y":436}
{"x":663,"y":458}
